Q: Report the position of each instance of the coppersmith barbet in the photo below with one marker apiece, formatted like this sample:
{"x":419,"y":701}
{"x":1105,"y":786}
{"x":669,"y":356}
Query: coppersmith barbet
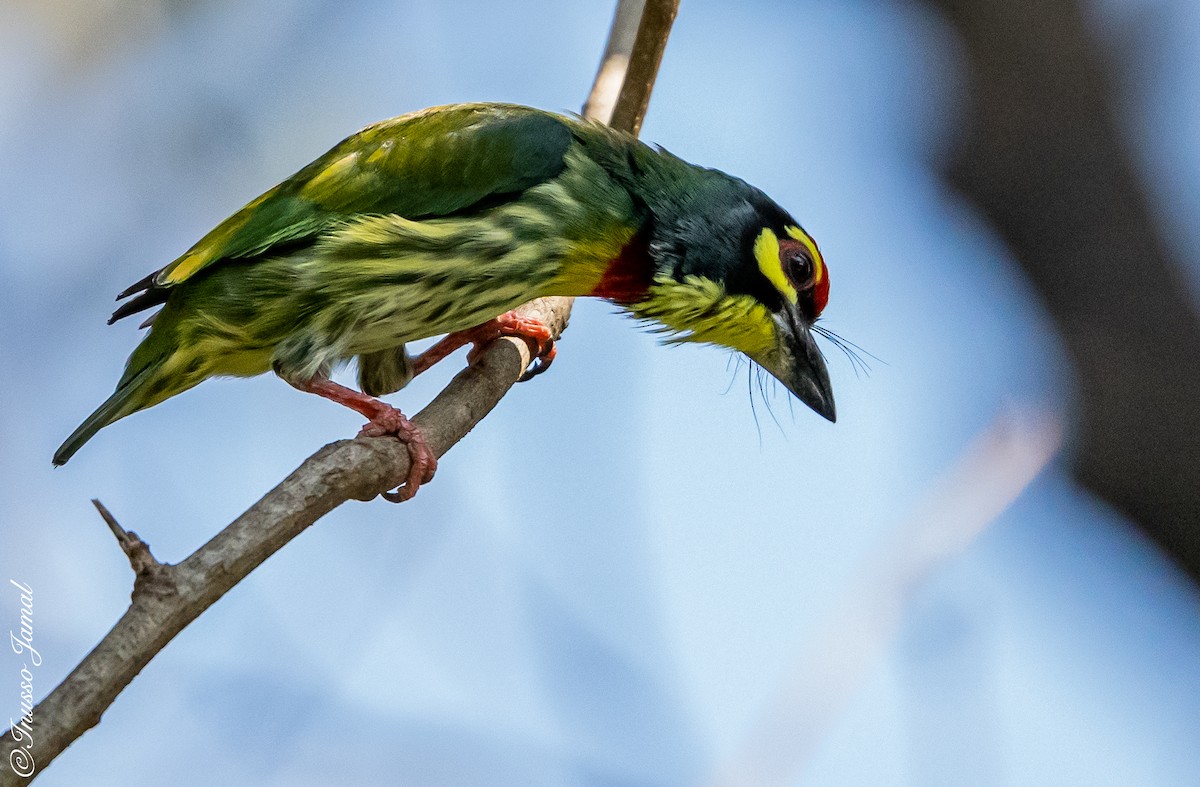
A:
{"x":441,"y":222}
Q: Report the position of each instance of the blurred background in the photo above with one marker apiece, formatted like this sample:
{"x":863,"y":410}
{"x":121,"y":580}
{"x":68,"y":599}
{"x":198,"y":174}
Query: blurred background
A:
{"x":629,"y":564}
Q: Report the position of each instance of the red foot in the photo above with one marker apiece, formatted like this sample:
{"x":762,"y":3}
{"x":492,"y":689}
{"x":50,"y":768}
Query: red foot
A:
{"x":385,"y":420}
{"x":508,"y":324}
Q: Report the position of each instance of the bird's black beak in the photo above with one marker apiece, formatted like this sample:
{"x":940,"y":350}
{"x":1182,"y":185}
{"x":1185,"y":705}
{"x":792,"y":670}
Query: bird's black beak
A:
{"x":797,"y":363}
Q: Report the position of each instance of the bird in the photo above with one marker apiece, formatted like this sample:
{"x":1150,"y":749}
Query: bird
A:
{"x":443,"y":222}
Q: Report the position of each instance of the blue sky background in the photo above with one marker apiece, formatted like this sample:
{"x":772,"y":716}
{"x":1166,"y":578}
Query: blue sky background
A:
{"x":610,"y":578}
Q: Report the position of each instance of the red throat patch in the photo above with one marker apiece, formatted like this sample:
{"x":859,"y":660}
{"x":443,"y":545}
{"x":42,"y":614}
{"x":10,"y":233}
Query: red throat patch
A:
{"x":628,"y":277}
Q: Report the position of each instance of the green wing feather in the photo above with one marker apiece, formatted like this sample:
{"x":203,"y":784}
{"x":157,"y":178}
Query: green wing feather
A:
{"x":436,"y":162}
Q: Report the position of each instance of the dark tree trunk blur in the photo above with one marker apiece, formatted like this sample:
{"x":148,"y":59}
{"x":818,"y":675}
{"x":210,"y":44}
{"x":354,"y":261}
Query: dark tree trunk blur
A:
{"x":1042,"y":155}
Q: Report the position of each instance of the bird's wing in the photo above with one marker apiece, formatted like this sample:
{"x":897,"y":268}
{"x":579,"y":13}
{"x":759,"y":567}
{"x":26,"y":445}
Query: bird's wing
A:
{"x":436,"y":162}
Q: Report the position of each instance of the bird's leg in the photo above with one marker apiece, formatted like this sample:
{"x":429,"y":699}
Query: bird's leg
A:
{"x":510,"y":323}
{"x":384,"y":420}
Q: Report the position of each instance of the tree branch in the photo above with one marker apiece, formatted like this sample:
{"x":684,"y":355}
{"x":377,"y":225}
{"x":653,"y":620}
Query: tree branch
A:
{"x":166,"y":598}
{"x":634,"y":99}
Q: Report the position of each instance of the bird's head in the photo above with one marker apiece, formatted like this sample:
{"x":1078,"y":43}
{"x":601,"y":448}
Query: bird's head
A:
{"x":742,"y":273}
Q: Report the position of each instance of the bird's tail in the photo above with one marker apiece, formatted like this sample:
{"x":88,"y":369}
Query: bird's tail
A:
{"x":129,"y":397}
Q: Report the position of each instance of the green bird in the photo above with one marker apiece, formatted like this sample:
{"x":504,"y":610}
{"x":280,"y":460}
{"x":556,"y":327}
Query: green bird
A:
{"x":443,"y":221}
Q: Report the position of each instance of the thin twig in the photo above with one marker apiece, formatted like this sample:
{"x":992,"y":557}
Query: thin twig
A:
{"x":632,"y":103}
{"x":138,"y":551}
{"x":150,"y":577}
{"x":614,"y":63}
{"x":357,"y":469}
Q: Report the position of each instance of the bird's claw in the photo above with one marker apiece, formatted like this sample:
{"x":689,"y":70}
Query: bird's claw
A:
{"x":422,"y":462}
{"x":535,"y":332}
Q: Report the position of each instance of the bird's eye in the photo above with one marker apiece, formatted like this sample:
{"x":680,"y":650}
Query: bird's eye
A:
{"x":800,"y":270}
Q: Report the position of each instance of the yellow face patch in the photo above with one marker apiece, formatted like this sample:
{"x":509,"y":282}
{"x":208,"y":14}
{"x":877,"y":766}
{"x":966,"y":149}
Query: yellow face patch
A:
{"x":796,"y":233}
{"x":699,"y":310}
{"x":766,"y":252}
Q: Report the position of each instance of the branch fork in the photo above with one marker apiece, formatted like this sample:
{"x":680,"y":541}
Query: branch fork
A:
{"x":150,"y":576}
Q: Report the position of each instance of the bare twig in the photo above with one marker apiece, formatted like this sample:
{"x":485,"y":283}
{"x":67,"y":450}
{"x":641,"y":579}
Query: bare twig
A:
{"x":615,"y":62}
{"x":138,"y":551}
{"x":652,"y":32}
{"x":357,"y":469}
{"x":150,"y":577}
